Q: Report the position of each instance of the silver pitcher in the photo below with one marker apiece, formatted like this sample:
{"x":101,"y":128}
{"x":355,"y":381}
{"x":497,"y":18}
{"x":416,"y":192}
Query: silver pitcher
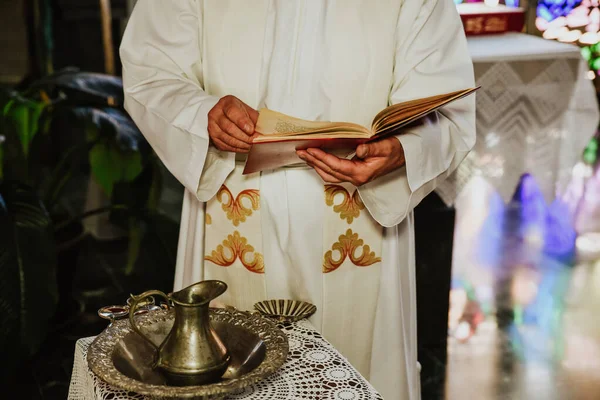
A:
{"x":192,"y":353}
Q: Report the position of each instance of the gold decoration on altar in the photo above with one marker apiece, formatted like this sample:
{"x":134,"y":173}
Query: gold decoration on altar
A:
{"x":496,"y":24}
{"x":351,"y":205}
{"x":347,"y":246}
{"x":237,"y":247}
{"x":474,"y":25}
{"x":235,"y":209}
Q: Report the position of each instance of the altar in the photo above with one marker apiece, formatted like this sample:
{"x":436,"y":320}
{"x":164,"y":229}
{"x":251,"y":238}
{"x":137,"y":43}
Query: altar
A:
{"x":536,"y":112}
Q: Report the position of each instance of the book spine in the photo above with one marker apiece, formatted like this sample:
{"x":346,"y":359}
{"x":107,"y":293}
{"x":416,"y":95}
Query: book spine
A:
{"x":486,"y":24}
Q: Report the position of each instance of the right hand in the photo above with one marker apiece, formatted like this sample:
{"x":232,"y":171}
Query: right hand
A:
{"x":231,"y":125}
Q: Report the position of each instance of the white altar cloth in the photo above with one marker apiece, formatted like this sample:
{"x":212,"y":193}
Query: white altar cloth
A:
{"x":536,"y":112}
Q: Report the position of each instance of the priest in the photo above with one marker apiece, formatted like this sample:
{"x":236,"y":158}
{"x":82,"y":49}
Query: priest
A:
{"x":337,"y":233}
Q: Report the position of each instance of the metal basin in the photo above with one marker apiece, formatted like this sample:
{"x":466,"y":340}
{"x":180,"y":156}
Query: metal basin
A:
{"x":120,"y":357}
{"x":132,"y":355}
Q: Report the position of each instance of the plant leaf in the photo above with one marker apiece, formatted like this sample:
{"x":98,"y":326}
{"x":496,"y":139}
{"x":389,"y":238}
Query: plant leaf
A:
{"x":140,"y":195}
{"x":2,"y":140}
{"x":28,"y":293}
{"x":23,"y":115}
{"x":114,"y":125}
{"x":110,"y":165}
{"x":89,"y":88}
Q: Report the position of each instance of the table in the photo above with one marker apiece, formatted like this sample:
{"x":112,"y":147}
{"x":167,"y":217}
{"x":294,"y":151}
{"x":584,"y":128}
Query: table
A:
{"x":536,"y":112}
{"x":314,"y":370}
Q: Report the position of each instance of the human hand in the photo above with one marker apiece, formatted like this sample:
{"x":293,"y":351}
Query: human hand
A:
{"x":372,"y":160}
{"x":231,"y":125}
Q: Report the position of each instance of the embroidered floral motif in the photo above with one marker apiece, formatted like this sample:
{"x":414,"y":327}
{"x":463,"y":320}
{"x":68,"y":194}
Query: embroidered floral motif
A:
{"x":208,"y":219}
{"x":347,"y":245}
{"x":235,"y":209}
{"x":237,"y":247}
{"x":349,"y":208}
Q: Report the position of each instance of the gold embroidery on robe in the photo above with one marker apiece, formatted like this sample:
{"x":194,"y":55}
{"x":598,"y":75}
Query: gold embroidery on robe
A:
{"x":237,"y":247}
{"x":347,"y":246}
{"x":208,"y":219}
{"x":235,"y":209}
{"x":349,"y":208}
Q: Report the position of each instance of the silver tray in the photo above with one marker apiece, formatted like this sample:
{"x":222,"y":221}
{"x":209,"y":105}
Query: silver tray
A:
{"x":121,"y":358}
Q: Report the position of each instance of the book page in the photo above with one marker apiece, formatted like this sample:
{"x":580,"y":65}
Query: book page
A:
{"x":313,"y":136}
{"x":272,"y":123}
{"x":406,"y":112}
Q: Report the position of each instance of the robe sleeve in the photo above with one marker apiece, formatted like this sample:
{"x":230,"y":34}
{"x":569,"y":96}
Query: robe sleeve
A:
{"x":162,"y":78}
{"x":431,"y":58}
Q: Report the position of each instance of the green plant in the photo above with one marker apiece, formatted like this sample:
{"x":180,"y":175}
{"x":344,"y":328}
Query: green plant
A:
{"x":70,"y":122}
{"x":56,"y":134}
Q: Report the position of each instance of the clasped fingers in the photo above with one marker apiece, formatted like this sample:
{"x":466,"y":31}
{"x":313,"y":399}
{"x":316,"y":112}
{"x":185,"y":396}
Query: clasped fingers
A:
{"x":333,"y":169}
{"x":231,"y":125}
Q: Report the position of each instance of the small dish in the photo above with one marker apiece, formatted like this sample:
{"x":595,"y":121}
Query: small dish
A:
{"x":113,"y":313}
{"x":117,"y":312}
{"x":285,"y":310}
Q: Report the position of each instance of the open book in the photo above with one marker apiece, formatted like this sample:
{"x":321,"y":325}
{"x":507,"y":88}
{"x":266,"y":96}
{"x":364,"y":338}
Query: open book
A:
{"x":281,"y":135}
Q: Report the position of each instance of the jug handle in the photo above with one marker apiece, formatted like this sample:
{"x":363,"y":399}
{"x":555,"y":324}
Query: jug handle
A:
{"x":135,"y":300}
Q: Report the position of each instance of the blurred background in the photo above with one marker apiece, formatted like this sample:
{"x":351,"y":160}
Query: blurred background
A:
{"x":508,"y":248}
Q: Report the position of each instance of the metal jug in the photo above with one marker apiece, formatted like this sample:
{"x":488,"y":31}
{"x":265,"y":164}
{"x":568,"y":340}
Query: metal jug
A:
{"x":192,"y":353}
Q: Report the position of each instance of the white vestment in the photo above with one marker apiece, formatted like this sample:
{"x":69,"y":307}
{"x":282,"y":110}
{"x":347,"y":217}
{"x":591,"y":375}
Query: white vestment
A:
{"x":319,"y":60}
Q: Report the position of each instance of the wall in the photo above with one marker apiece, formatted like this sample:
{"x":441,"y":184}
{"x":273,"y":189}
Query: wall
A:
{"x":13,"y":42}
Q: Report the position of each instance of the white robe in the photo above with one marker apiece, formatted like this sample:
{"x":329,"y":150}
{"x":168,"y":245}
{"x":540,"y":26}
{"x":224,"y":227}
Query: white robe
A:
{"x":321,"y":60}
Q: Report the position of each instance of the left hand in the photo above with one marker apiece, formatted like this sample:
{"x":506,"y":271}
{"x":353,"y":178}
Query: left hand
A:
{"x":372,"y":160}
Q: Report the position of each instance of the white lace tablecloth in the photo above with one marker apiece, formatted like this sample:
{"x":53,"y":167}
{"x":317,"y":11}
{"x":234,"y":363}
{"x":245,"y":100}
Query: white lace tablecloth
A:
{"x":313,"y":370}
{"x":536,"y":112}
